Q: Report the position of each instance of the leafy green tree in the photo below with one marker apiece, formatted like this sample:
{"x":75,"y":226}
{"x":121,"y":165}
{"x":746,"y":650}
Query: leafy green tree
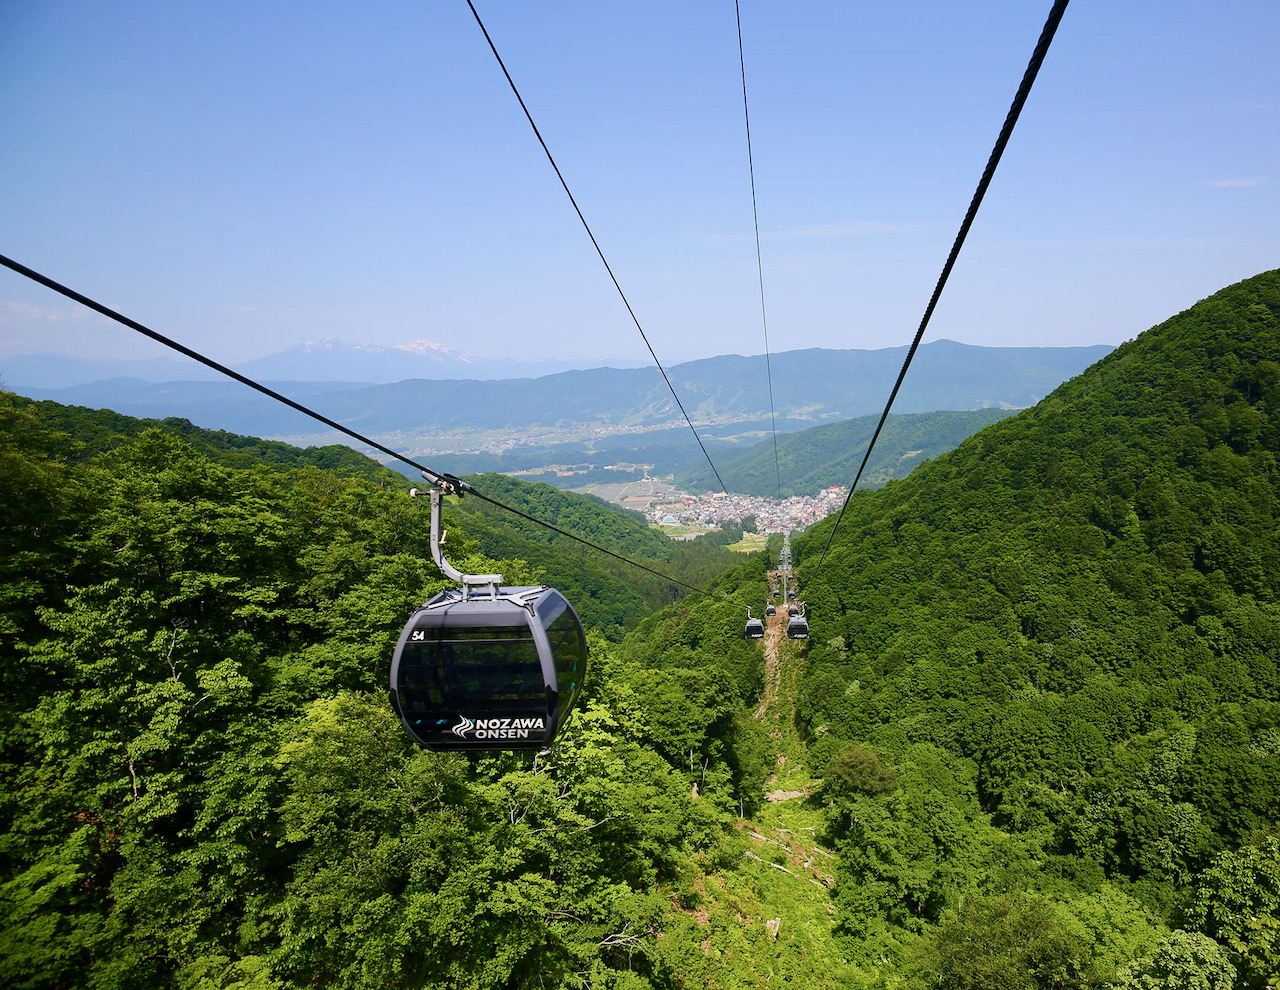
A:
{"x":1115,"y":926}
{"x":909,"y":854}
{"x":416,"y":868}
{"x":858,"y":770}
{"x":1237,"y":902}
{"x":1007,"y":942}
{"x":1183,"y":961}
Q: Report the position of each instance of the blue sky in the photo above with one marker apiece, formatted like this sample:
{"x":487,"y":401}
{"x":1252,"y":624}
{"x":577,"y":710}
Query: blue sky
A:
{"x":245,"y":176}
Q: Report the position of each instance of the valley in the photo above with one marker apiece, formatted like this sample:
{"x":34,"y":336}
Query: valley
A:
{"x":684,"y":514}
{"x":1037,"y":710}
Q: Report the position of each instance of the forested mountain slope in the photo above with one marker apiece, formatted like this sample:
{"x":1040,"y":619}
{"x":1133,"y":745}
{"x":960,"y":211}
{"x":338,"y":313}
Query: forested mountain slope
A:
{"x":1074,"y":621}
{"x":94,"y":432}
{"x":1037,"y":726}
{"x":204,"y":784}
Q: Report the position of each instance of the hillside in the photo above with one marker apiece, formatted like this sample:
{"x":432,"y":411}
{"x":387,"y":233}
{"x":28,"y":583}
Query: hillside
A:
{"x":205,"y":785}
{"x":95,"y":432}
{"x":1031,"y":743}
{"x":1040,"y":703}
{"x":1074,"y":621}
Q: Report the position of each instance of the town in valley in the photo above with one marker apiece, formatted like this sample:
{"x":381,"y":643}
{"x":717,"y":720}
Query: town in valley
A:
{"x":686,"y":515}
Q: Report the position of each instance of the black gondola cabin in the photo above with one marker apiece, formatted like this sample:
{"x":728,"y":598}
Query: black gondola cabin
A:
{"x":489,"y":671}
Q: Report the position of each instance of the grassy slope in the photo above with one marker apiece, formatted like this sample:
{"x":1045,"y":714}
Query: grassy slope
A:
{"x":765,"y":916}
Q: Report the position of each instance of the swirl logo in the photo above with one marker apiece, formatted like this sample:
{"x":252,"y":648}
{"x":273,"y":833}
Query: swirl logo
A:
{"x":462,"y":728}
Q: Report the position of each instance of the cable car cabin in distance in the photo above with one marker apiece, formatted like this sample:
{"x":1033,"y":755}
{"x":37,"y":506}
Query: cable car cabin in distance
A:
{"x":797,"y":627}
{"x":484,"y":671}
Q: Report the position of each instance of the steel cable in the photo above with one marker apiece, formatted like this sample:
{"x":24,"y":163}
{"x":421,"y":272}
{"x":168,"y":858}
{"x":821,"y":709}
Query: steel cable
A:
{"x":1024,"y":89}
{"x":596,"y":244}
{"x":755,"y":217}
{"x":111,"y":314}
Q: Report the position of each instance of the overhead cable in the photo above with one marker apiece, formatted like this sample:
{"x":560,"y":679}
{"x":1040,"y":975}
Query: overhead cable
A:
{"x":596,"y":244}
{"x":755,"y":216}
{"x":320,"y":417}
{"x":1024,"y":89}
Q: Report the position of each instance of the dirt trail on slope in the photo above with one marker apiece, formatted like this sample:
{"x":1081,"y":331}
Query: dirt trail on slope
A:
{"x":784,"y":856}
{"x":773,"y":637}
{"x":783,"y":659}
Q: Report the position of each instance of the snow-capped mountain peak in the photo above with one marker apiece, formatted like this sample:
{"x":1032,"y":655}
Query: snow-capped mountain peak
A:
{"x":431,"y":348}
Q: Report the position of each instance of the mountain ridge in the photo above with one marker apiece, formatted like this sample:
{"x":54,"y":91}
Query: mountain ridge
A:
{"x":810,"y":386}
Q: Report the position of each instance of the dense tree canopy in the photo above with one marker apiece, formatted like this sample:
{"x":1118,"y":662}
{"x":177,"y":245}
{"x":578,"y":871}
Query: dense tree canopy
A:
{"x":1081,"y":606}
{"x":205,"y":785}
{"x":1033,"y":740}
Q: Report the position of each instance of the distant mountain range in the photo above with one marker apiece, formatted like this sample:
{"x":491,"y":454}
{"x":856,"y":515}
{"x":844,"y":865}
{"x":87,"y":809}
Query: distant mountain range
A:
{"x":328,"y":359}
{"x":809,"y":387}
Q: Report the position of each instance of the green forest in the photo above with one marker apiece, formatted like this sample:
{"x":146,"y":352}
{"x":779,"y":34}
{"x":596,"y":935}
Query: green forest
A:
{"x":1032,"y":742}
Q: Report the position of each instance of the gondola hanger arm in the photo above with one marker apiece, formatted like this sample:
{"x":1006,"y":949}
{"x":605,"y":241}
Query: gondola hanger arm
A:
{"x":442,"y":484}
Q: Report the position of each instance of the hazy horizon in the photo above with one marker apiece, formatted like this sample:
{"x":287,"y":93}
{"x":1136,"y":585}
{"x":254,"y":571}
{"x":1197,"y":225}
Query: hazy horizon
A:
{"x":177,"y":359}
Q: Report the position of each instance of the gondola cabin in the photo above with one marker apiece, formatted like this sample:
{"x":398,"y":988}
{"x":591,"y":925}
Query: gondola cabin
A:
{"x":496,"y":669}
{"x":797,"y":627}
{"x":793,"y":610}
{"x":770,"y":610}
{"x":754,"y":628}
